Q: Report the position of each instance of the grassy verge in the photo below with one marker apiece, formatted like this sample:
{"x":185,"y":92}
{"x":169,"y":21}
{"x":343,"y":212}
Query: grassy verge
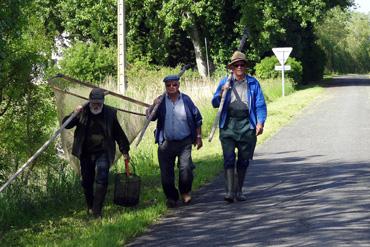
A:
{"x":66,"y":224}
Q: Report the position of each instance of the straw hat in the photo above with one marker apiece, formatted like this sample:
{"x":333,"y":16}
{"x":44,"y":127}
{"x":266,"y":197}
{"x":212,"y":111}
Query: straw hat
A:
{"x":236,"y":57}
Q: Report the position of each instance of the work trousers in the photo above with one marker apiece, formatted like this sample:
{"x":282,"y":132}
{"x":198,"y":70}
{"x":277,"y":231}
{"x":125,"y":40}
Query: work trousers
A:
{"x":93,"y":168}
{"x":168,"y":151}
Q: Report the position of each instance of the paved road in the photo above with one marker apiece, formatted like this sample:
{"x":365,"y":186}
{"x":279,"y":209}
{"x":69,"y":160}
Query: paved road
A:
{"x":308,"y":186}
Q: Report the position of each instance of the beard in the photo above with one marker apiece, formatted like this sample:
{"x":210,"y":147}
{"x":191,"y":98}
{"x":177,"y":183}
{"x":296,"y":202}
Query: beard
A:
{"x":95,"y":110}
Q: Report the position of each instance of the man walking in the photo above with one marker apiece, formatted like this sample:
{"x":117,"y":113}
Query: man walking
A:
{"x":242,"y":119}
{"x":178,"y":127}
{"x":97,"y":131}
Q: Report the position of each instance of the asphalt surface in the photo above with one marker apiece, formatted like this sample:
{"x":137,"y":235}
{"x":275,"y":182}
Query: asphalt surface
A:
{"x":308,"y":185}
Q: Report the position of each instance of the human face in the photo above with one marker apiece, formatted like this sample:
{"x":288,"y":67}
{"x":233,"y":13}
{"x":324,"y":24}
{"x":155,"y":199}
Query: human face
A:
{"x":172,"y":87}
{"x":238,"y":69}
{"x":96,"y":108}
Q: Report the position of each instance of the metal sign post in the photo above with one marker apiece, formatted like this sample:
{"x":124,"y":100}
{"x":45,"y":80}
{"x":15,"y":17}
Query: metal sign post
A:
{"x":282,"y":54}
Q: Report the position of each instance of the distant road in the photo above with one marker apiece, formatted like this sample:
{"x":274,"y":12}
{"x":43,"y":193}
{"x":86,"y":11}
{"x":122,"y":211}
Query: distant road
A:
{"x":308,"y":186}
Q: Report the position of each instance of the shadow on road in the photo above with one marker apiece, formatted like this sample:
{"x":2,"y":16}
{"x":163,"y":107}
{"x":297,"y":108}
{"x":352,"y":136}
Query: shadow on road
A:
{"x":290,"y":200}
{"x":348,"y":80}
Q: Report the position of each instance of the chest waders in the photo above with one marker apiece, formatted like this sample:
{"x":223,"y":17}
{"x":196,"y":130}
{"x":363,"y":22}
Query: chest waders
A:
{"x":236,"y":134}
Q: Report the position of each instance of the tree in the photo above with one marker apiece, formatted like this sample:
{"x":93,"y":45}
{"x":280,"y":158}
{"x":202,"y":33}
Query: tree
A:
{"x":163,"y":33}
{"x":287,"y":23}
{"x":26,"y":113}
{"x":344,"y":37}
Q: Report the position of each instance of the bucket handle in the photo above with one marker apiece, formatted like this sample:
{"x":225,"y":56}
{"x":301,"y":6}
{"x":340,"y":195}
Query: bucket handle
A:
{"x":127,"y":168}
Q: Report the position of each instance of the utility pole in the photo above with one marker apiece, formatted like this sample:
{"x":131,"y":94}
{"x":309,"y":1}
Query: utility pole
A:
{"x":121,"y":47}
{"x":205,"y":44}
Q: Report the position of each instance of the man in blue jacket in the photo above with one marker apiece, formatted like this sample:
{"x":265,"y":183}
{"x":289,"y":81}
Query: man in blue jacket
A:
{"x":242,"y":119}
{"x":178,"y":127}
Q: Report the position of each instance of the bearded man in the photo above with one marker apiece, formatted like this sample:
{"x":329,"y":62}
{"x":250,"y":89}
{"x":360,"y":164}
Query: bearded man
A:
{"x":97,"y":131}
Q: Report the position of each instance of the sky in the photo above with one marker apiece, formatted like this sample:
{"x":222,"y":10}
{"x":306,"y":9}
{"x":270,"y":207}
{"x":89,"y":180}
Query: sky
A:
{"x":364,"y":6}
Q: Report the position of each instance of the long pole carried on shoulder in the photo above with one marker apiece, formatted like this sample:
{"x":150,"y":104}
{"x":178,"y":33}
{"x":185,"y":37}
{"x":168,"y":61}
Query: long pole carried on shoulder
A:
{"x":68,"y":78}
{"x":218,"y":115}
{"x":155,"y":108}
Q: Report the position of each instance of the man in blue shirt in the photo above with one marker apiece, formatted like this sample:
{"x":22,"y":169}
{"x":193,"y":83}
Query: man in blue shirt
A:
{"x":178,"y":127}
{"x":242,"y":119}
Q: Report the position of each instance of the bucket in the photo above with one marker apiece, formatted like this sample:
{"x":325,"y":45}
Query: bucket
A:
{"x":126,"y":188}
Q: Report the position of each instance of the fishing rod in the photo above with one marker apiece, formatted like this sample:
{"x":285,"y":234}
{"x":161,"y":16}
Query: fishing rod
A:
{"x":227,"y":86}
{"x":155,"y":108}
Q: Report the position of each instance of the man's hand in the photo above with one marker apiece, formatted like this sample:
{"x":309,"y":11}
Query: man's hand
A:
{"x":157,"y":100}
{"x":198,"y":142}
{"x":224,"y":88}
{"x":149,"y":110}
{"x":126,"y":156}
{"x":78,"y":109}
{"x":259,"y":129}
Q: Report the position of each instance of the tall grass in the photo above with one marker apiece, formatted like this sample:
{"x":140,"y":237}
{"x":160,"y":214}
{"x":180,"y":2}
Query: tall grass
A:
{"x":56,"y":217}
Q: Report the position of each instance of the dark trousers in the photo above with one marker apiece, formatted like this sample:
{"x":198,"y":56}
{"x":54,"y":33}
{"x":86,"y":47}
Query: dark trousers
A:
{"x":245,"y":151}
{"x":168,"y":151}
{"x":93,"y":168}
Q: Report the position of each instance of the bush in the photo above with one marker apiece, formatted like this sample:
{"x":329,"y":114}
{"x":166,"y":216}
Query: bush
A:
{"x":266,"y":69}
{"x":89,"y":62}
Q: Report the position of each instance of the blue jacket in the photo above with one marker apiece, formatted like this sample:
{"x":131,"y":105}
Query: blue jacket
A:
{"x":193,"y":116}
{"x":256,"y":102}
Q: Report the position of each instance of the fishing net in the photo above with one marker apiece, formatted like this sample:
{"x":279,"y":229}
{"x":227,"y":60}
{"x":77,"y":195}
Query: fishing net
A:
{"x":70,"y":92}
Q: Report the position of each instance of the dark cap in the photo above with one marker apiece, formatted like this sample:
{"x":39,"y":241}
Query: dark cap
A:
{"x":171,"y":78}
{"x":96,"y":95}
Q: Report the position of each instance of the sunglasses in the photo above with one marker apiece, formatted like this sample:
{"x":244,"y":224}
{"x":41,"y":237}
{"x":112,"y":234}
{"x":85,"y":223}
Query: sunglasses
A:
{"x":237,"y":65}
{"x":174,"y":84}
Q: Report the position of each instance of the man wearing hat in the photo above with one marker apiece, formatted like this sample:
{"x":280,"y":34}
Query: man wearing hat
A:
{"x":178,"y":127}
{"x":242,"y":119}
{"x":97,"y":131}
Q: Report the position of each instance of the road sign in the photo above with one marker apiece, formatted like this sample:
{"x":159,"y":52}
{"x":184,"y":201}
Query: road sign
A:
{"x":282,"y":53}
{"x":286,"y":67}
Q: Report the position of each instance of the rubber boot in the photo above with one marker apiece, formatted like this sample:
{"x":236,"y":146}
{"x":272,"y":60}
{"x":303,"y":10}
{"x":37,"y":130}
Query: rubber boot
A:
{"x":229,"y":185}
{"x":239,"y":185}
{"x":100,"y":191}
{"x":89,"y":197}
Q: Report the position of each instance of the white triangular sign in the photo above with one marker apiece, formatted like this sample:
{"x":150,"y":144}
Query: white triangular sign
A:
{"x":282,"y":53}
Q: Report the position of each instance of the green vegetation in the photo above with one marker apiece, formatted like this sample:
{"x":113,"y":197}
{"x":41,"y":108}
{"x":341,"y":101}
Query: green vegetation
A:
{"x":266,"y":69}
{"x":344,"y":37}
{"x":89,"y":62}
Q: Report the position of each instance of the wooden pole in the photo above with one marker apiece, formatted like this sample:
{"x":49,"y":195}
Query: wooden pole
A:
{"x":93,"y":86}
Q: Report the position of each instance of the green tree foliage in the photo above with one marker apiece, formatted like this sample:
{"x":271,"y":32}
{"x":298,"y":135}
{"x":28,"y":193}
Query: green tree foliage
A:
{"x":157,"y":32}
{"x":172,"y":32}
{"x":26,"y":112}
{"x":287,"y":23}
{"x":26,"y":125}
{"x":266,"y":69}
{"x":345,"y":38}
{"x":90,"y":20}
{"x":89,"y":61}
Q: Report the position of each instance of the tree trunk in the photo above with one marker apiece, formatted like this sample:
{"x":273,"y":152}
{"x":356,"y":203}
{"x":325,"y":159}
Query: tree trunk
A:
{"x":198,"y":49}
